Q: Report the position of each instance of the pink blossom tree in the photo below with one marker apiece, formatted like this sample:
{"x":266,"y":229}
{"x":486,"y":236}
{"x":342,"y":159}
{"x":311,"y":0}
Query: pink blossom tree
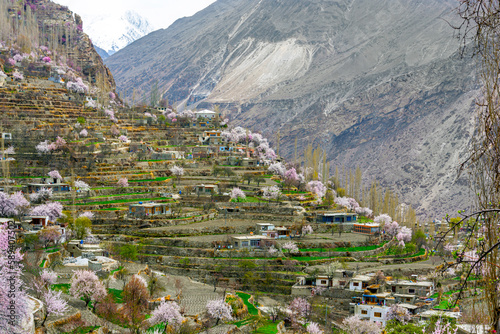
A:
{"x":272,"y":192}
{"x":10,"y":150}
{"x":12,"y":205}
{"x":168,"y":313}
{"x":177,"y":171}
{"x":363,"y":211}
{"x":55,"y":175}
{"x":86,"y":285}
{"x":291,"y":178}
{"x":382,"y":219}
{"x":291,"y":247}
{"x":42,"y":283}
{"x":60,"y":143}
{"x":277,"y":168}
{"x":237,"y":194}
{"x":18,"y":76}
{"x":272,"y":250}
{"x":317,"y":188}
{"x":354,"y":325}
{"x":52,"y":209}
{"x":54,"y":304}
{"x":84,"y":133}
{"x":307,"y":229}
{"x":43,"y":147}
{"x":77,"y":86}
{"x":123,"y":138}
{"x":123,"y":182}
{"x":347,"y":202}
{"x":404,"y":235}
{"x":399,"y":314}
{"x":50,"y":234}
{"x":81,"y":185}
{"x":87,"y":214}
{"x":313,"y":328}
{"x":219,"y":309}
{"x":299,"y":310}
{"x":41,"y":196}
{"x":392,"y":228}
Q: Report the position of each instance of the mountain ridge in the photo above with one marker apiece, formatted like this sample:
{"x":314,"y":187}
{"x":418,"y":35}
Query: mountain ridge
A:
{"x":319,"y":70}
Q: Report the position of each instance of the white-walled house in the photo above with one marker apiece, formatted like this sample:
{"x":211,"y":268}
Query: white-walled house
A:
{"x":205,"y":114}
{"x":359,"y":282}
{"x":374,"y":307}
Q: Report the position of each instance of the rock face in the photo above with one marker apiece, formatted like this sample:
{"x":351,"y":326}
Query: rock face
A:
{"x":379,"y":84}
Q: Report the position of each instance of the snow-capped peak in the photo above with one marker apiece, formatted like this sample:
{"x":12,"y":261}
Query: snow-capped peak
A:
{"x":114,"y":31}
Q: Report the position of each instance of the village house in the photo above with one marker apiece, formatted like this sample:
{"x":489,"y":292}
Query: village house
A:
{"x":367,"y":228}
{"x":405,"y":289}
{"x":211,"y":137}
{"x":247,"y":241}
{"x":149,"y":209}
{"x":206,"y":189}
{"x":50,"y":183}
{"x":205,"y":114}
{"x":167,"y":155}
{"x":35,"y":223}
{"x":78,"y":247}
{"x":374,"y":307}
{"x":359,"y":282}
{"x":200,"y":152}
{"x":336,"y":217}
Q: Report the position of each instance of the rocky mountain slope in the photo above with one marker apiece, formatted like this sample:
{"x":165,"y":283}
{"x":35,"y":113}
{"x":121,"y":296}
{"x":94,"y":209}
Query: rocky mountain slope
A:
{"x":379,"y":84}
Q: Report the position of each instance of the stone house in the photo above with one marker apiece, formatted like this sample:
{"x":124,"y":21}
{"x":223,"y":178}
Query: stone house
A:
{"x":247,"y":241}
{"x":149,"y":209}
{"x":206,"y":189}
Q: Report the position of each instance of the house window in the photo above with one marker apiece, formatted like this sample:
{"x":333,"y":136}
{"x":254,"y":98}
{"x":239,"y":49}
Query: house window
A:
{"x":323,"y":281}
{"x":411,"y":290}
{"x":408,"y":300}
{"x":254,"y":243}
{"x":377,"y":315}
{"x":364,"y":312}
{"x":244,"y":243}
{"x":355,"y":284}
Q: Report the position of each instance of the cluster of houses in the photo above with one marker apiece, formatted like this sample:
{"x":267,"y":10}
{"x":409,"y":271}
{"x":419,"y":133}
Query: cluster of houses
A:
{"x":371,"y":299}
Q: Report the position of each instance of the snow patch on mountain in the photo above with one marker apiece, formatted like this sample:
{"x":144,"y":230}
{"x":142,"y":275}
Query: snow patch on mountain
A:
{"x":114,"y":31}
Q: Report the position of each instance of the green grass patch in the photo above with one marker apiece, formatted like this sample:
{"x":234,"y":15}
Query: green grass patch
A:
{"x":64,"y":287}
{"x":122,"y":201}
{"x":444,"y":305}
{"x":343,"y":249}
{"x":158,"y":179}
{"x":269,"y":328}
{"x":243,"y":322}
{"x":117,"y":295}
{"x":114,"y":271}
{"x":43,"y":263}
{"x":83,"y":330}
{"x":252,"y":310}
{"x":248,"y":199}
{"x":53,"y":250}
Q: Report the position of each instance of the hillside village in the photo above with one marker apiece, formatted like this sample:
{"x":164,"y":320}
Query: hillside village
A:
{"x":150,"y":219}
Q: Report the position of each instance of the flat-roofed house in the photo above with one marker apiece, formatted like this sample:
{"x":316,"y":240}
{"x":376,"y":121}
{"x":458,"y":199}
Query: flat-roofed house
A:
{"x":247,"y":241}
{"x":368,"y":228}
{"x":149,"y":209}
{"x":336,"y":217}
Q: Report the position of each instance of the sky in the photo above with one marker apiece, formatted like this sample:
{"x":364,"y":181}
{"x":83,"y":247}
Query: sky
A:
{"x":160,"y":13}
